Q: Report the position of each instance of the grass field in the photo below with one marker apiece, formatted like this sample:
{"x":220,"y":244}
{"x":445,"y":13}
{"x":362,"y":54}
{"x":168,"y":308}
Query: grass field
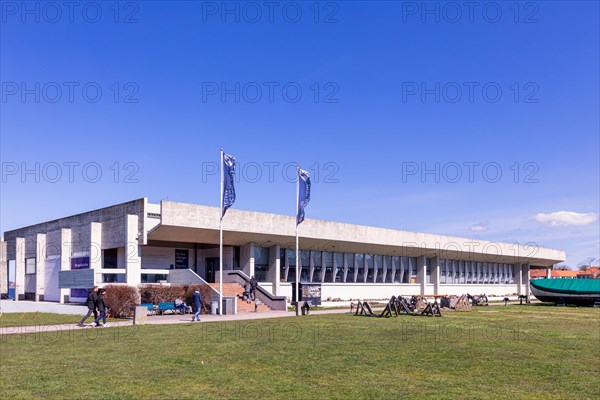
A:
{"x":517,"y":352}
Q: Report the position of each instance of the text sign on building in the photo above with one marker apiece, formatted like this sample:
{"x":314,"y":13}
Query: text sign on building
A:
{"x":80,"y":263}
{"x":81,"y":278}
{"x":181,"y":259}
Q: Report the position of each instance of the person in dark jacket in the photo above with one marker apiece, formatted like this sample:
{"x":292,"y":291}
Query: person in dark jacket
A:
{"x":254,"y":285}
{"x":197,"y":304}
{"x":102,"y":307}
{"x":92,"y":305}
{"x":247,"y":292}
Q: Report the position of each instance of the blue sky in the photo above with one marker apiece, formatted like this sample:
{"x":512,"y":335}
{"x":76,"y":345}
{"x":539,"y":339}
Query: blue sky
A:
{"x":368,"y":96}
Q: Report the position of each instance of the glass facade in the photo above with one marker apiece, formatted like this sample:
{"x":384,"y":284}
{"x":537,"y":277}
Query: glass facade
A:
{"x":327,"y":266}
{"x":475,"y":272}
{"x":261,"y":263}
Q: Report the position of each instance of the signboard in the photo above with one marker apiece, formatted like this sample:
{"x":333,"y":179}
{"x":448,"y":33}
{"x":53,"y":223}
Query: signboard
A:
{"x":80,"y":263}
{"x":82,"y":278}
{"x":181,"y":259}
{"x":308,"y":292}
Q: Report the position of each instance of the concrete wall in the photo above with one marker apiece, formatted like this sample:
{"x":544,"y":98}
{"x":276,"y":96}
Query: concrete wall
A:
{"x":112,"y":218}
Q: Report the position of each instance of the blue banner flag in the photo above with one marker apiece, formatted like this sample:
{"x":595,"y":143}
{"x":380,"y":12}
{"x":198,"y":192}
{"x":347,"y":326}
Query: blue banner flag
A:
{"x":228,"y":188}
{"x":303,"y":194}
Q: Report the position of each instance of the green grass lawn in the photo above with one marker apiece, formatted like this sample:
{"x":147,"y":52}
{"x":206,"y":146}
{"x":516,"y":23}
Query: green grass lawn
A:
{"x":31,"y":319}
{"x":517,"y":352}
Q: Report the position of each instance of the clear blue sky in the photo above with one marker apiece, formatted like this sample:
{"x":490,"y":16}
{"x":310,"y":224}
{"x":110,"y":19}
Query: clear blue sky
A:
{"x":367,"y":137}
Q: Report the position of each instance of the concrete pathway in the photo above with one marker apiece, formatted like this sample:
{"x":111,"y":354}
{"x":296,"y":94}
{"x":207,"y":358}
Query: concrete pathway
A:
{"x":161,"y":320}
{"x":172,"y":319}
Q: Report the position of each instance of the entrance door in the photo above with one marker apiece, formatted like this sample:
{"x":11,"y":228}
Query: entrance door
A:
{"x":212,"y":269}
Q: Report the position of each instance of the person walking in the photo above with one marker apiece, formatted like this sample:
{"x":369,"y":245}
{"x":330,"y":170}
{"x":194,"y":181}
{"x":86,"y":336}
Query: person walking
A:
{"x":198,"y":304}
{"x":92,"y":305}
{"x":254,"y":285}
{"x":102,"y":307}
{"x":247,"y":292}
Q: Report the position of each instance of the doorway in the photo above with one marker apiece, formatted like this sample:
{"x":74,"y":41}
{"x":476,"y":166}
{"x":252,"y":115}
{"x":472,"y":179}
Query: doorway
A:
{"x":212,"y":268}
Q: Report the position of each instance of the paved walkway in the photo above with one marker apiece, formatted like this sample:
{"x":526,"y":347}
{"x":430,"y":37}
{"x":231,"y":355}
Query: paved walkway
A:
{"x":180,"y":319}
{"x":162,"y":320}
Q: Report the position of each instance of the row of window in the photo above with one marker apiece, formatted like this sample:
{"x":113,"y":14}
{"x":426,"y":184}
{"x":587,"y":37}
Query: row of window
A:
{"x":452,"y":271}
{"x":323,"y":266}
{"x":317,"y":266}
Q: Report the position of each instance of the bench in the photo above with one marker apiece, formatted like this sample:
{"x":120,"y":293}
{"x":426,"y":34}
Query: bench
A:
{"x":169,"y":306}
{"x":150,"y":307}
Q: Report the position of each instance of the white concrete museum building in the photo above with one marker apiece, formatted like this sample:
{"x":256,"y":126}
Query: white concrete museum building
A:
{"x":139,"y":242}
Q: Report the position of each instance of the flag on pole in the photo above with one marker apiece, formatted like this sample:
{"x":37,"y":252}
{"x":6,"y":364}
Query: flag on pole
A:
{"x":228,"y":188}
{"x":303,"y":194}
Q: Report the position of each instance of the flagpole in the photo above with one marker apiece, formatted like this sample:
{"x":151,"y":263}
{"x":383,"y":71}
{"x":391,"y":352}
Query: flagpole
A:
{"x":297,"y":250}
{"x":221,"y":243}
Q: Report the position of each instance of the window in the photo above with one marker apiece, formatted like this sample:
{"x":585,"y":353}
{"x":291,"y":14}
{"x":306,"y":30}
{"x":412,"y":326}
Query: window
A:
{"x":350,"y":262}
{"x":113,"y":278}
{"x":359,"y":260}
{"x":412,"y":262}
{"x":236,"y":257}
{"x":442,"y":271}
{"x":389,"y":278}
{"x":305,"y":266}
{"x":404,"y":270}
{"x":317,"y":267}
{"x":379,"y":267}
{"x":261,"y":263}
{"x":396,"y":278}
{"x":30,"y":266}
{"x":338,"y":267}
{"x":428,"y":270}
{"x":110,"y":258}
{"x":153,"y":278}
{"x":291,"y":259}
{"x":328,"y":266}
{"x":369,"y":265}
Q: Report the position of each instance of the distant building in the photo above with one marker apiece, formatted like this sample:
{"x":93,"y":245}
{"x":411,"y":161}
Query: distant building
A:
{"x":590,"y":273}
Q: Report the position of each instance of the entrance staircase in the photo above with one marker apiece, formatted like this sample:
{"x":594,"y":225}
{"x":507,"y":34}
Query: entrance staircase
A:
{"x":236,"y":290}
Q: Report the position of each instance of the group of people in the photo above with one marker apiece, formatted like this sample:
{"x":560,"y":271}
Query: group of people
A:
{"x":250,"y":290}
{"x":97,"y":305}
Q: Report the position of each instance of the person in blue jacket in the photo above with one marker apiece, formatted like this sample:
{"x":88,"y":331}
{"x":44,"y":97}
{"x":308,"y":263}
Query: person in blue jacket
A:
{"x":198,"y":304}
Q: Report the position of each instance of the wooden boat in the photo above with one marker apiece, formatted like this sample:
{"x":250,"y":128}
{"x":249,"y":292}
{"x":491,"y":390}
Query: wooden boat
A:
{"x":573,"y":291}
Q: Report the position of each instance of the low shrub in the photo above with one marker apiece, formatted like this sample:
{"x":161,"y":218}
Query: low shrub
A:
{"x":158,"y":293}
{"x":120,"y":299}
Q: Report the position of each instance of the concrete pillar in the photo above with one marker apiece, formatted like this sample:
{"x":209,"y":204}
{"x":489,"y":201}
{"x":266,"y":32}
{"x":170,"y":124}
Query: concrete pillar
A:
{"x":133,"y":259}
{"x":19,"y":268}
{"x":65,"y":259}
{"x":526,"y":280}
{"x":519,"y":276}
{"x":421,"y":279}
{"x":40,"y":265}
{"x":435,"y":274}
{"x":247,"y":259}
{"x":274,"y":273}
{"x":548,"y":273}
{"x":96,"y":250}
{"x":3,"y":267}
